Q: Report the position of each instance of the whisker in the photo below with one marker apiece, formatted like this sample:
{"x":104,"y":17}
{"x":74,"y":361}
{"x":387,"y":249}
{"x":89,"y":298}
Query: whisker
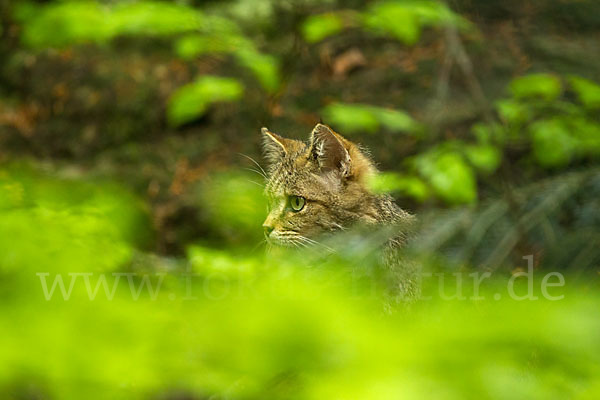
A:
{"x":300,"y":243}
{"x":256,"y":183}
{"x":255,"y":171}
{"x":329,"y":249}
{"x":264,"y":173}
{"x":314,"y":242}
{"x":309,"y":246}
{"x":258,"y":245}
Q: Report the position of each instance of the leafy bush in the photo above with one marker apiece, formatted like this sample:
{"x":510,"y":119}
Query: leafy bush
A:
{"x":559,"y":130}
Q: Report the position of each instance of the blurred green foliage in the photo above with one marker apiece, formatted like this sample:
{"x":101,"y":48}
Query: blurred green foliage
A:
{"x":191,"y":101}
{"x":234,"y":206}
{"x":69,"y":23}
{"x":318,"y":27}
{"x":230,"y":41}
{"x":402,"y":20}
{"x":559,"y":129}
{"x":65,"y":225}
{"x":216,"y":317}
{"x":246,"y":326}
{"x":449,"y":175}
{"x":390,"y":182}
{"x":354,"y":118}
{"x":545,"y":86}
{"x":405,"y":20}
{"x":65,"y":23}
{"x":447,"y":171}
{"x":587,"y":91}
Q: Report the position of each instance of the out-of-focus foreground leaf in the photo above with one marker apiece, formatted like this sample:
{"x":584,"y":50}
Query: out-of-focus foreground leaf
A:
{"x":49,"y":224}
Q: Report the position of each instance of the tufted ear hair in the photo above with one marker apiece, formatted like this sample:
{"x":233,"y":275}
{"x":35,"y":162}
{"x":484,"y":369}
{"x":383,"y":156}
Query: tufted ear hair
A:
{"x":275,"y":147}
{"x":328,"y":150}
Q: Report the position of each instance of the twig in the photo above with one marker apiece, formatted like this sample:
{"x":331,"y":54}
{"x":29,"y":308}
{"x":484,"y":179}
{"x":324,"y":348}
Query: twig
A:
{"x":459,"y":54}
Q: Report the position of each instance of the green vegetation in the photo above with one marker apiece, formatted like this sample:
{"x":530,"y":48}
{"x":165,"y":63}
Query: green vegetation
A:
{"x":401,"y":20}
{"x":132,"y":258}
{"x":353,"y":118}
{"x":560,"y":131}
{"x":191,"y":101}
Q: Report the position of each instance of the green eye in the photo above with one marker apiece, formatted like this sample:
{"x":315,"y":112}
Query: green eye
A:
{"x":297,"y":203}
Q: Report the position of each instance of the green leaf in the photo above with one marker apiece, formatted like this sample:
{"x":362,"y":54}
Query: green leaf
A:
{"x":354,"y":118}
{"x":489,"y":133}
{"x":587,"y":134}
{"x":588,"y":92}
{"x":513,"y":112}
{"x":351,"y":118}
{"x":395,"y":120}
{"x":190,"y":46}
{"x":394,"y":19}
{"x":486,"y":158}
{"x":154,"y":18}
{"x":544,"y":86}
{"x":191,"y":101}
{"x":401,"y":20}
{"x":552,"y":144}
{"x":451,"y":178}
{"x":265,"y":67}
{"x":405,"y":20}
{"x":63,"y":24}
{"x":389,"y":182}
{"x":436,"y":13}
{"x":317,"y":27}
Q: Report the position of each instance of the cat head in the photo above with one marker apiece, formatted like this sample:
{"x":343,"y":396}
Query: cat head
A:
{"x":315,"y":187}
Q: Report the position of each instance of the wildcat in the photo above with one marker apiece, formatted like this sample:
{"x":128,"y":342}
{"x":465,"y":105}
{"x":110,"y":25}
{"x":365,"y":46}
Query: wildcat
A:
{"x":320,"y":187}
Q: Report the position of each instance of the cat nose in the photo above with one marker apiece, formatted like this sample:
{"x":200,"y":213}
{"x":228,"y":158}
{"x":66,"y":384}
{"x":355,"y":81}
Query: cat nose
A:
{"x":268,"y":229}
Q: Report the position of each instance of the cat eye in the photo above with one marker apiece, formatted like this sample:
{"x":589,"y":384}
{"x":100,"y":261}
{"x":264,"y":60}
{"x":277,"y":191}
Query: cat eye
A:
{"x":297,"y":203}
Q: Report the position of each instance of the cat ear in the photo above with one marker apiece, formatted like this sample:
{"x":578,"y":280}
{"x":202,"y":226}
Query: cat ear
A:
{"x":275,"y":147}
{"x":328,"y":150}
